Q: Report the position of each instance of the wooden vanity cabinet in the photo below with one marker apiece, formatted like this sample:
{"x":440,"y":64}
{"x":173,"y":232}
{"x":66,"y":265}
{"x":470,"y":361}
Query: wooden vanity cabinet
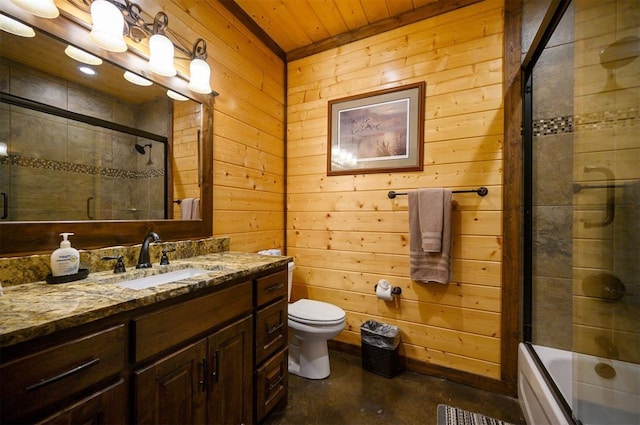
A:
{"x":271,"y":343}
{"x":215,"y":357}
{"x":73,"y":379}
{"x":206,"y":381}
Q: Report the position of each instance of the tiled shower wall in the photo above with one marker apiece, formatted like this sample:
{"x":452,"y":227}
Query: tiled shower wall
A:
{"x":59,"y":169}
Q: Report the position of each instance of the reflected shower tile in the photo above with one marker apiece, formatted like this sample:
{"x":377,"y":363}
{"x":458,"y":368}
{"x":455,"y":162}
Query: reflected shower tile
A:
{"x":553,"y":87}
{"x":35,"y":85}
{"x":90,"y":102}
{"x":552,"y":247}
{"x":35,"y":137}
{"x":553,"y":173}
{"x":552,"y":312}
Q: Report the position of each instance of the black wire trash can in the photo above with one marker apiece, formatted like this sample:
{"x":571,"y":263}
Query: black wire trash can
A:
{"x":380,"y":343}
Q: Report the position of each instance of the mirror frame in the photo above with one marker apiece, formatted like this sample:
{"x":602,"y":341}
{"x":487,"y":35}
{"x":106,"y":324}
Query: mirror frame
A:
{"x":20,"y":238}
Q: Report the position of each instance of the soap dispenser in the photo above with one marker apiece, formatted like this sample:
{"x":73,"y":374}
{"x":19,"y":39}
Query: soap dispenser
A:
{"x":65,"y":260}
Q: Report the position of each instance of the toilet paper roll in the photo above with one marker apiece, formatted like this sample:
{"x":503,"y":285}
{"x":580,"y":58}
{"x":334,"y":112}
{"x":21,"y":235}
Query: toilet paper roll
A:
{"x":383,"y":290}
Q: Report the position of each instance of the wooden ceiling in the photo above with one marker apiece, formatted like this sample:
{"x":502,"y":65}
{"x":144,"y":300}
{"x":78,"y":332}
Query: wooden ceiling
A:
{"x":297,"y":28}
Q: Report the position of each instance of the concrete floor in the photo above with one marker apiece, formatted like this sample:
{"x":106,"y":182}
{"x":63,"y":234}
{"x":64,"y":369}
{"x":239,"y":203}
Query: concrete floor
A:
{"x":351,"y":395}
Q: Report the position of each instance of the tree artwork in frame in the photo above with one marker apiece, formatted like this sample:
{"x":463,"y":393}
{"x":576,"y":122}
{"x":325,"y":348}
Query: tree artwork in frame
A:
{"x":377,"y":132}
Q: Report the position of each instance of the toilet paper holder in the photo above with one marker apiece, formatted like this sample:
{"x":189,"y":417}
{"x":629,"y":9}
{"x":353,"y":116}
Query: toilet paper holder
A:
{"x":395,"y":290}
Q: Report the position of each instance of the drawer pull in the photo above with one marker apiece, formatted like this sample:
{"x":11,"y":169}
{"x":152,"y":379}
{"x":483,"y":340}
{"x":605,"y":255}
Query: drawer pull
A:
{"x":274,"y":287}
{"x":63,"y":375}
{"x":275,"y":384}
{"x":274,"y":329}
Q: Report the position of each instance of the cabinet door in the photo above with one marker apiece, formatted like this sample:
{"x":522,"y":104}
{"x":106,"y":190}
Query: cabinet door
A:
{"x":108,"y":406}
{"x":173,"y":389}
{"x":230,"y":376}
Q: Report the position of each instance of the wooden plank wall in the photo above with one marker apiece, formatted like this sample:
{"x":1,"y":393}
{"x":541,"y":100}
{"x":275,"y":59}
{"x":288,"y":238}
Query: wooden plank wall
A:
{"x":187,"y":120}
{"x":343,"y":231}
{"x":606,"y":136}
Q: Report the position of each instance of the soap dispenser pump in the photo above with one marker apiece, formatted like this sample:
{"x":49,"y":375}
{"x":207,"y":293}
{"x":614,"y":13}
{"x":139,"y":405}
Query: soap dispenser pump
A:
{"x":65,"y":260}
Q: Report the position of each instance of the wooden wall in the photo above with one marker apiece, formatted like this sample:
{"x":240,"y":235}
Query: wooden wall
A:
{"x":343,"y":231}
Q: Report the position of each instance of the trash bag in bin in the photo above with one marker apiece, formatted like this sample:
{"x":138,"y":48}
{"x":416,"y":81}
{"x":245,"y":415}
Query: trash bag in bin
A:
{"x":380,"y":335}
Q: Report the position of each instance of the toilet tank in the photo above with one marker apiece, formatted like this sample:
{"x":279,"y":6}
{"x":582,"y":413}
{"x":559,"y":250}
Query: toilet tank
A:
{"x":290,"y":279}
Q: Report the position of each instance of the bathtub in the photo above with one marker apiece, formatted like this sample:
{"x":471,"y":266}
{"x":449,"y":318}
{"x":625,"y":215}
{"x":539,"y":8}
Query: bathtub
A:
{"x":581,"y":393}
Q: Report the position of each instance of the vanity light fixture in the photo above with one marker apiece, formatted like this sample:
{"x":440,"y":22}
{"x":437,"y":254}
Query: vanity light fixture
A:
{"x":176,"y":96}
{"x":161,"y":49}
{"x":41,"y":8}
{"x":136,"y":79}
{"x":108,"y":26}
{"x":199,"y":68}
{"x":81,"y":56}
{"x":3,"y":149}
{"x":16,"y":28}
{"x":114,"y":19}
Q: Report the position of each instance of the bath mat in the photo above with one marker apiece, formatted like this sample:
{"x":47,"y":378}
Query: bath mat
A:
{"x":448,"y":415}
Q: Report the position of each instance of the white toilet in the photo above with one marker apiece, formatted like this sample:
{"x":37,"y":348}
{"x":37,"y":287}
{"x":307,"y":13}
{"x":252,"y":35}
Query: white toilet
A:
{"x":311,"y":325}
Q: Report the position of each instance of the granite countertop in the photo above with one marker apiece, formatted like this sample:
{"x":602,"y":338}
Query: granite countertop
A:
{"x":31,"y":310}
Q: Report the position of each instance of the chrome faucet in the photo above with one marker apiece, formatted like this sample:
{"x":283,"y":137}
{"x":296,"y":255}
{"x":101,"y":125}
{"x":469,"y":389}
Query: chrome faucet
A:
{"x":143,"y":260}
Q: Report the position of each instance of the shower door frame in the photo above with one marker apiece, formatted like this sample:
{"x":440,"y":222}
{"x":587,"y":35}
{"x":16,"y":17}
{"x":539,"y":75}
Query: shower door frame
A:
{"x":552,"y":18}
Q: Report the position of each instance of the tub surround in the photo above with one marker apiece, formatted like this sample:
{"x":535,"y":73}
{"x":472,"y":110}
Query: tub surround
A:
{"x":36,"y":309}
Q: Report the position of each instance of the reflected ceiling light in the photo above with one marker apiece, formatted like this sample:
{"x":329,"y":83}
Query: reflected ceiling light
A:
{"x":199,"y":69}
{"x":3,"y":149}
{"x":161,"y":49}
{"x":176,"y":96}
{"x":136,"y":79}
{"x":81,"y":56}
{"x":42,"y":8}
{"x":108,"y":26}
{"x":16,"y":28}
{"x":87,"y":70}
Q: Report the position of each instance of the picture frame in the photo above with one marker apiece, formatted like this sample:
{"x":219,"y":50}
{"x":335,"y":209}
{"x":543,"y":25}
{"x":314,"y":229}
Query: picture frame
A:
{"x":377,"y":132}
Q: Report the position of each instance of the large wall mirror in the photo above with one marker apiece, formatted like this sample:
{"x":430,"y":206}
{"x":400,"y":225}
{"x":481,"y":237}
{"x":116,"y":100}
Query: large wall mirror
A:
{"x":96,"y":154}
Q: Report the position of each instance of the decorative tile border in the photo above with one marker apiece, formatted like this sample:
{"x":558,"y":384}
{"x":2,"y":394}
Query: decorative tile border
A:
{"x":621,"y":118}
{"x":557,"y":125}
{"x":47,"y":164}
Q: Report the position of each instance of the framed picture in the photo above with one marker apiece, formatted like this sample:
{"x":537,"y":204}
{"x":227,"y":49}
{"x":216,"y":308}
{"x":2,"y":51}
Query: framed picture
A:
{"x":377,"y":132}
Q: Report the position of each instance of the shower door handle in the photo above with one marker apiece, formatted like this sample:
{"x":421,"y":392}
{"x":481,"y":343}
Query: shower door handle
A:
{"x":5,"y":206}
{"x":89,"y":216}
{"x":611,"y":197}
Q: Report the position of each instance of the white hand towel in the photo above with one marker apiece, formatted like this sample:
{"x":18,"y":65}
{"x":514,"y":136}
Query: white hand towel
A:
{"x":195,"y":209}
{"x":185,"y":208}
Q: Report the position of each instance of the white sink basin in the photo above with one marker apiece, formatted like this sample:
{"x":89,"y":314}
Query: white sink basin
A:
{"x":161,"y":279}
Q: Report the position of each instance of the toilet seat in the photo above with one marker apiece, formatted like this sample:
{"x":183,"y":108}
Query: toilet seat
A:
{"x":315,"y":312}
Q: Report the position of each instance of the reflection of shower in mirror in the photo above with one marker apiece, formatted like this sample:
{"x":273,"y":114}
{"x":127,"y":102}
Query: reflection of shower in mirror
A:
{"x":141,"y":150}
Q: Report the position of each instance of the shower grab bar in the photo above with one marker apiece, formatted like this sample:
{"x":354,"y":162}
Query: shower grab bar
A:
{"x":481,"y":191}
{"x":611,"y":198}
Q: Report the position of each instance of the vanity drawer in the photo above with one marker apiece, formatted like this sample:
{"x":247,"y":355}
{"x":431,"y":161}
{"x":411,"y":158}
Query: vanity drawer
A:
{"x":36,"y":381}
{"x":268,"y":288}
{"x":271,"y":329}
{"x":271,"y":383}
{"x":168,"y":327}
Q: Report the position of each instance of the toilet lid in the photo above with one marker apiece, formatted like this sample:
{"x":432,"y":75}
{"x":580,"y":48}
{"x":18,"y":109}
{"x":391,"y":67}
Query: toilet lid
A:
{"x":310,"y":311}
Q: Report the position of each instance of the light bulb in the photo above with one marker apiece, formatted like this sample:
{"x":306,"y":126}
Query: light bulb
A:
{"x":176,"y":96}
{"x":136,"y":79}
{"x":82,"y":56}
{"x":108,"y":26}
{"x":200,"y":74}
{"x":16,"y":28}
{"x":42,"y":8}
{"x":161,"y":56}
